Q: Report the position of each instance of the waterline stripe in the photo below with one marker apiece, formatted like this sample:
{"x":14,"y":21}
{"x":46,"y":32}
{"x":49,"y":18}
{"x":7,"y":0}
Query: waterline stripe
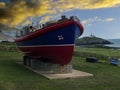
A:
{"x":49,"y":45}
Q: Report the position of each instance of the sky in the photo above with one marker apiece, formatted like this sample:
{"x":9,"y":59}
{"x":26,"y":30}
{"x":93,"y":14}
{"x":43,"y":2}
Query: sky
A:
{"x":98,"y":17}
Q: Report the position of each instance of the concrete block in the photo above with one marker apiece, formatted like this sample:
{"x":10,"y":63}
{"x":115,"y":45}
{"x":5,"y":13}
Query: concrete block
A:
{"x":45,"y":66}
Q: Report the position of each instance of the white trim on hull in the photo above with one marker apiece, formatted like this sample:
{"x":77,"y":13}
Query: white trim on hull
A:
{"x":49,"y":45}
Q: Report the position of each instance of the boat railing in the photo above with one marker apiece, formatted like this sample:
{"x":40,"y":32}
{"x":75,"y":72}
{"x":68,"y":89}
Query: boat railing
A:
{"x":26,"y":30}
{"x":30,"y":28}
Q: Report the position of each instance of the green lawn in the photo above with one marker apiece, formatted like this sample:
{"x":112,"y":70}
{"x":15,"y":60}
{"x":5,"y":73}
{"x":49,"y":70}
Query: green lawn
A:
{"x":16,"y":77}
{"x":102,"y":51}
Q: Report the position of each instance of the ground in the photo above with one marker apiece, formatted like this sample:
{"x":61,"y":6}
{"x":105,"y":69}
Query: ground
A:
{"x":106,"y":76}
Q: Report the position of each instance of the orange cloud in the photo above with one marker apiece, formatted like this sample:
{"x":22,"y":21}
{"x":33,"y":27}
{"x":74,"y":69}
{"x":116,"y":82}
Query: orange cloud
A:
{"x":14,"y":13}
{"x":85,"y":4}
{"x":2,"y":4}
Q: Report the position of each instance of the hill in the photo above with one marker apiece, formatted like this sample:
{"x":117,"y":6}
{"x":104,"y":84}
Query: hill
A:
{"x":5,"y":38}
{"x":91,"y":40}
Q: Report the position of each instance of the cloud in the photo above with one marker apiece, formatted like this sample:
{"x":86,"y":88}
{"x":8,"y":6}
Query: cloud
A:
{"x":26,"y":21}
{"x":84,"y":4}
{"x":2,"y":4}
{"x":95,"y":19}
{"x":15,"y":12}
{"x":44,"y":19}
{"x":109,"y":19}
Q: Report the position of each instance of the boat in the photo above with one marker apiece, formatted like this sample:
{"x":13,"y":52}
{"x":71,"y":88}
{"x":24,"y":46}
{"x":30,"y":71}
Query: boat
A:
{"x":52,"y":41}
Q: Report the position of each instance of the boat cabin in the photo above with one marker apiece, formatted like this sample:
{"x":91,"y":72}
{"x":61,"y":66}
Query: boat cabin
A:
{"x":30,"y":28}
{"x":26,"y":30}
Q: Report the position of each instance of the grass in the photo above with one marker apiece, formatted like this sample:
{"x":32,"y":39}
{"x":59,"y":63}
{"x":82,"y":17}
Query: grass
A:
{"x":101,"y":51}
{"x":16,"y":77}
{"x":8,"y":47}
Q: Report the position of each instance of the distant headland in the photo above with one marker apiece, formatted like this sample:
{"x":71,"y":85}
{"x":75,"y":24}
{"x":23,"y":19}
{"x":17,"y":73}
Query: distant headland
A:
{"x":91,"y":40}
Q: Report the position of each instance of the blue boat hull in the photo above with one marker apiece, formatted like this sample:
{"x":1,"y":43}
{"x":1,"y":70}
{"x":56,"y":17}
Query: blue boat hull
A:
{"x":55,"y":43}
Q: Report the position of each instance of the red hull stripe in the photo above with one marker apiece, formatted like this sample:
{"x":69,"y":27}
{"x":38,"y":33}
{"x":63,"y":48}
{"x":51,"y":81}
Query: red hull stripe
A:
{"x":55,"y":54}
